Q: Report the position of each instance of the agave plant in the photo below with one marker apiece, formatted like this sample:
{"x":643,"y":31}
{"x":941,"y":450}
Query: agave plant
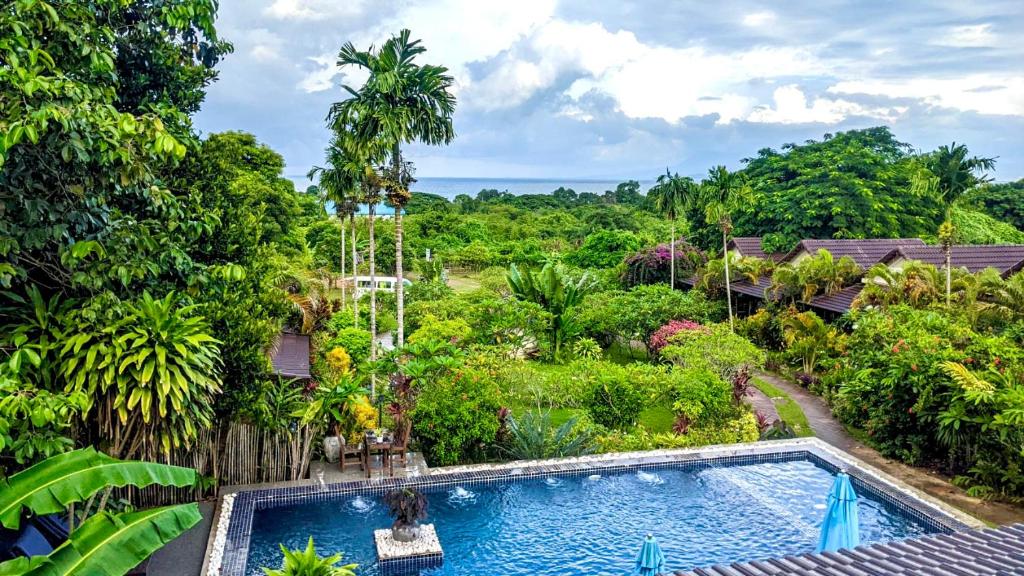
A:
{"x":308,"y":563}
{"x":105,"y":544}
{"x":533,"y":436}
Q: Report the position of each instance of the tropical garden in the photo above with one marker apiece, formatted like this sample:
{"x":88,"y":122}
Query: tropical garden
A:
{"x":148,"y":274}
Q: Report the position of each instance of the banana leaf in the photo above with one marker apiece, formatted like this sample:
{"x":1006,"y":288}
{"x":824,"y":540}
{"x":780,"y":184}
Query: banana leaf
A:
{"x":109,"y":545}
{"x":53,"y":484}
{"x":21,"y":566}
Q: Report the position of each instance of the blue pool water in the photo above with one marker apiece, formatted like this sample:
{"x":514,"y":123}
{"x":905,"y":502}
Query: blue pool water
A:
{"x":591,"y":525}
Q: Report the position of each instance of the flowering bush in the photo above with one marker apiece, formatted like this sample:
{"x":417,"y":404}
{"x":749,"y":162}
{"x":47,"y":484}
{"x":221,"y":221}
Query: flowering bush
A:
{"x":893,"y":383}
{"x":339,"y":360}
{"x":660,"y":337}
{"x":653,"y":265}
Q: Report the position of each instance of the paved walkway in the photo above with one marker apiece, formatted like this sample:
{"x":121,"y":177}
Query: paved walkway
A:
{"x":762,"y":403}
{"x":827,"y":428}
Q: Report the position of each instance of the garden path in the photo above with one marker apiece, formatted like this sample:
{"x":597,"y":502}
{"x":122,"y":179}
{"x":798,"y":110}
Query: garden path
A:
{"x":760,"y":402}
{"x":830,"y":430}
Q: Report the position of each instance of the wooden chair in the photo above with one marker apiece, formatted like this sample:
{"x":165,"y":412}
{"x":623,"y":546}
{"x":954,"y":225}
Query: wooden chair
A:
{"x":400,"y":447}
{"x":346,"y":450}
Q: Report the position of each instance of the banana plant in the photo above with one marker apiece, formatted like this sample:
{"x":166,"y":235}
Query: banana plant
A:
{"x":105,"y":544}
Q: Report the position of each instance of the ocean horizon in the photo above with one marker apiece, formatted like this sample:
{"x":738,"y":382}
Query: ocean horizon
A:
{"x":452,"y":187}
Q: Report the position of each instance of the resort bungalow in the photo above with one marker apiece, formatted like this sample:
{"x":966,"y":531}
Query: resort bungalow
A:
{"x":1007,"y":259}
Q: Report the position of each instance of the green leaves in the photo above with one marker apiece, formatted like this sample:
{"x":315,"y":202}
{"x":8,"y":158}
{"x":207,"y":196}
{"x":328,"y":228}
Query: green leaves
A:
{"x":54,"y":484}
{"x":109,"y":545}
{"x":308,"y":563}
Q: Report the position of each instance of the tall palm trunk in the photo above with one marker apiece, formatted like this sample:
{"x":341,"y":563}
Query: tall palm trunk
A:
{"x":672,"y":256}
{"x":728,"y":288}
{"x":355,"y":272}
{"x":396,"y":158}
{"x":373,"y":299}
{"x":343,"y":255}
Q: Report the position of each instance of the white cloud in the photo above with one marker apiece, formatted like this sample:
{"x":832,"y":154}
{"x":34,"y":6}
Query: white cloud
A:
{"x":757,"y":19}
{"x":646,"y":81}
{"x":982,"y":93}
{"x":325,"y":75}
{"x":791,"y":107}
{"x":313,"y":9}
{"x":974,"y":36}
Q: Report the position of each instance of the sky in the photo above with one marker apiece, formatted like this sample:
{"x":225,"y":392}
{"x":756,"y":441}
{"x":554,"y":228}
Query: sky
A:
{"x":623,"y":89}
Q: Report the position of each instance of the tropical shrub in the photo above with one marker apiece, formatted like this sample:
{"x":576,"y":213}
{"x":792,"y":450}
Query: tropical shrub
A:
{"x":713,"y":347}
{"x":152,"y":369}
{"x":763,"y":328}
{"x":339,"y":360}
{"x":407,"y":505}
{"x":635,"y":314}
{"x":456,"y":416}
{"x":741,"y":429}
{"x":700,"y":397}
{"x":808,"y":338}
{"x":36,"y":423}
{"x":586,"y":349}
{"x":432,"y":328}
{"x":893,"y":383}
{"x":556,"y":293}
{"x":533,"y":436}
{"x":653,"y":265}
{"x":605,"y":249}
{"x":614,"y":400}
{"x":661,"y":336}
{"x":355,"y":342}
{"x":308,"y":563}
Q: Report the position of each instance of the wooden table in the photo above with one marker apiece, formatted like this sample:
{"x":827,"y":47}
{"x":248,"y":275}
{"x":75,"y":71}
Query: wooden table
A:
{"x":383,"y":445}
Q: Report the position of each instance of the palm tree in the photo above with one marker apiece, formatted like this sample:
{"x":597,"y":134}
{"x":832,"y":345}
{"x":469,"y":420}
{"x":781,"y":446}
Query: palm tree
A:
{"x":400,"y":102}
{"x":722,"y":193}
{"x":340,"y":188}
{"x":955,"y":173}
{"x":671,"y":196}
{"x":355,"y":160}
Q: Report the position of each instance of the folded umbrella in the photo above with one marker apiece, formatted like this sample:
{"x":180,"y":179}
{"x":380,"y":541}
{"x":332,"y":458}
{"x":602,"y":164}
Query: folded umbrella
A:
{"x":840,"y":528}
{"x":650,"y":560}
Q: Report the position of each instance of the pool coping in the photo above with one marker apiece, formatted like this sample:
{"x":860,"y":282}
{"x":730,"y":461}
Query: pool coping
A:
{"x":228,"y":550}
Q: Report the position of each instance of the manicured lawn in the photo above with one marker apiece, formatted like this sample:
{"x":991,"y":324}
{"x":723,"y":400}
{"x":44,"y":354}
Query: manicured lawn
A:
{"x":657,"y":419}
{"x":463,"y":282}
{"x":789,"y":411}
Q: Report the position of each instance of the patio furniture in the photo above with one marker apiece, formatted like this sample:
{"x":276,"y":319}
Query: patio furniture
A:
{"x":382,"y":445}
{"x":347,"y":450}
{"x":400,"y":445}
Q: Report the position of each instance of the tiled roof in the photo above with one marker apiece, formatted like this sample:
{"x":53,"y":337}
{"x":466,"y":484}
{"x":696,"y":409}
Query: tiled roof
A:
{"x":747,"y":246}
{"x":865,"y":252}
{"x":985,"y":552}
{"x":759,"y":290}
{"x":838,"y":301}
{"x":291,"y":356}
{"x":1006,"y":258}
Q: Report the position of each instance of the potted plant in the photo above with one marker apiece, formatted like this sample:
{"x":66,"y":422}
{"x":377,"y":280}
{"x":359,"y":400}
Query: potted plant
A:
{"x":336,"y":402}
{"x":408,"y":506}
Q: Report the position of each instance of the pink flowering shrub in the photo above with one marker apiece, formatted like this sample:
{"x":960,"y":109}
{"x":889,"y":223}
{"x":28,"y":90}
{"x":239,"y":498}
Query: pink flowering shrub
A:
{"x":659,"y":339}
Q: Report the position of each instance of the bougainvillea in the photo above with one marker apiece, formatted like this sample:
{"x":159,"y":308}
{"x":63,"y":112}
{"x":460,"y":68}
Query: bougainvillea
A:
{"x":652,"y":265}
{"x":660,"y":337}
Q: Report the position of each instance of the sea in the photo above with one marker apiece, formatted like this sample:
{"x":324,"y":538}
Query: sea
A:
{"x":452,"y":187}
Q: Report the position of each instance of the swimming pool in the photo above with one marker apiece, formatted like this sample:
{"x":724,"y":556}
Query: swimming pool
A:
{"x":551,"y":523}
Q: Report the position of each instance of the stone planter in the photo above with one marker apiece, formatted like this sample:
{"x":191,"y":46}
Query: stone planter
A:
{"x":332,"y":448}
{"x":395,"y":557}
{"x":406,"y":533}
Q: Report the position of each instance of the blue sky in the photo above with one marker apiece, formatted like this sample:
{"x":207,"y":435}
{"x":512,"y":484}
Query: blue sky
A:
{"x":624,"y":89}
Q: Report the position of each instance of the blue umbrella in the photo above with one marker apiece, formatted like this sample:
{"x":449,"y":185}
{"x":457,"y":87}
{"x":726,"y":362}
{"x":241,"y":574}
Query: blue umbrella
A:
{"x":840,"y":528}
{"x":650,"y":560}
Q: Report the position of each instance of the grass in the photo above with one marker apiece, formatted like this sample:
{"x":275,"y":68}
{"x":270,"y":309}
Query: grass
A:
{"x":463,"y":282}
{"x":789,"y":411}
{"x":657,"y":419}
